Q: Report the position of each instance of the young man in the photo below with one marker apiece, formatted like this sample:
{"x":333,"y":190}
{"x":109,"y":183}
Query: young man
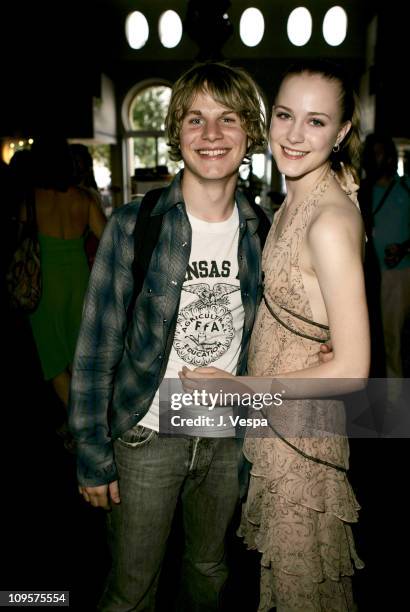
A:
{"x":196,"y":307}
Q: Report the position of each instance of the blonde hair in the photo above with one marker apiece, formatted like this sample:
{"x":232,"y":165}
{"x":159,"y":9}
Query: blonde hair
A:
{"x":229,"y":86}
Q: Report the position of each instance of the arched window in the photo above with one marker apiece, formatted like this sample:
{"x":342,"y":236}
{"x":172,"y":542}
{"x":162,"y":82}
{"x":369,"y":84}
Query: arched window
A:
{"x":144,"y":111}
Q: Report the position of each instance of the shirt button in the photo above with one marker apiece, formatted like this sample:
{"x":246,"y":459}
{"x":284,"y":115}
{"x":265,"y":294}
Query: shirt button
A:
{"x":174,"y":283}
{"x":246,"y":294}
{"x":184,"y":244}
{"x":164,"y":320}
{"x":149,"y":290}
{"x":160,"y":356}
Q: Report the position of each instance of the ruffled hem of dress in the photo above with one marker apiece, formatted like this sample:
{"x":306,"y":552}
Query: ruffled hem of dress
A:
{"x":328,"y":553}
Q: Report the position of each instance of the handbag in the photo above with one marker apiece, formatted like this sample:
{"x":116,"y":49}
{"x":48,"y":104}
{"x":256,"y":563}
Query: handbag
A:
{"x":23,"y":278}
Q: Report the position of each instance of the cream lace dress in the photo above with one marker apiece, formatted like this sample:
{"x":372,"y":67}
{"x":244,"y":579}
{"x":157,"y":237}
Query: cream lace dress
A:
{"x":298,"y":510}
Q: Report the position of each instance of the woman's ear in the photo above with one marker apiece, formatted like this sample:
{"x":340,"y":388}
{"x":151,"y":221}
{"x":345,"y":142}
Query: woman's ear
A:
{"x":343,"y":132}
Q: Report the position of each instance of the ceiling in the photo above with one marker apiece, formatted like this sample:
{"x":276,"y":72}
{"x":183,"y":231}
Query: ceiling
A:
{"x":111,"y":14}
{"x":57,"y":51}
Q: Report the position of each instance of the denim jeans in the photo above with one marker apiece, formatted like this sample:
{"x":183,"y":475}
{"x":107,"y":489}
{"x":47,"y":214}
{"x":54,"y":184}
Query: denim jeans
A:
{"x":154,"y":472}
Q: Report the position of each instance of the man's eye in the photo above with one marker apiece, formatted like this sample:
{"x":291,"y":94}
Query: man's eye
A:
{"x":195,"y":121}
{"x":228,"y":120}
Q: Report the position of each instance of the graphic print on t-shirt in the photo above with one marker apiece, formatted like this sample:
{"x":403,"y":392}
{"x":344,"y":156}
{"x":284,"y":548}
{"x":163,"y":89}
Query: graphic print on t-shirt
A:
{"x":210,"y":315}
{"x":205,"y":328}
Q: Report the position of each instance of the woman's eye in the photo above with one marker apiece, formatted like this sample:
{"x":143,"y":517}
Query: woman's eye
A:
{"x":317,"y":123}
{"x":282,"y":115}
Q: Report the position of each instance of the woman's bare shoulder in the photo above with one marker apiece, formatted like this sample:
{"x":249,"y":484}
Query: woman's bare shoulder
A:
{"x":336,"y":217}
{"x":336,"y":206}
{"x":83,"y":194}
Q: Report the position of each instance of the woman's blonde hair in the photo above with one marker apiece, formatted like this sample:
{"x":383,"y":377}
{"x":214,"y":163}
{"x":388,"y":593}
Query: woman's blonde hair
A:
{"x":348,"y":154}
{"x":229,"y":86}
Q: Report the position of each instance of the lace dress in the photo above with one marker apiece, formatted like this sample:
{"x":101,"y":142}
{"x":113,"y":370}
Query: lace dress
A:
{"x":298,"y":510}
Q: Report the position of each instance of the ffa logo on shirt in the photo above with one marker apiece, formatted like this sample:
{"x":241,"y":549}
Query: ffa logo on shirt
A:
{"x":205,"y":327}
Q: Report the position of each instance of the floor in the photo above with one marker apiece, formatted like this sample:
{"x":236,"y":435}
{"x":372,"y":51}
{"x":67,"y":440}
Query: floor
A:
{"x":51,"y":540}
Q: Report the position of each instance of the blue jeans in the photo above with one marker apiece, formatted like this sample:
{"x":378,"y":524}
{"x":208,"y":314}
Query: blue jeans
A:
{"x":154,"y":472}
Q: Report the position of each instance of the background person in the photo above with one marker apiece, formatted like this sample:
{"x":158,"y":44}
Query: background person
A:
{"x":386,"y":201}
{"x":64,"y":212}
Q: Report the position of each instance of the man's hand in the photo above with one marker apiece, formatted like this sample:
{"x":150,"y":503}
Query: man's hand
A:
{"x":204,"y":373}
{"x":326,"y":352}
{"x":207,"y":379}
{"x":102,"y":496}
{"x":213,"y":380}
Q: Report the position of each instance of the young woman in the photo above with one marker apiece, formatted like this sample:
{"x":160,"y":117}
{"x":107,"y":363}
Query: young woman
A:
{"x":300,"y":503}
{"x":64,"y":212}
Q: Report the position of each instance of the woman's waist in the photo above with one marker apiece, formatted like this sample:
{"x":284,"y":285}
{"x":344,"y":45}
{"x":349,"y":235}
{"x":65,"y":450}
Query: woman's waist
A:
{"x":50,"y":244}
{"x":58,"y":241}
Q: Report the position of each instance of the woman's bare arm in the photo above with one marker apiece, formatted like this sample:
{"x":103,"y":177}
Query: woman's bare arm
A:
{"x":97,"y":219}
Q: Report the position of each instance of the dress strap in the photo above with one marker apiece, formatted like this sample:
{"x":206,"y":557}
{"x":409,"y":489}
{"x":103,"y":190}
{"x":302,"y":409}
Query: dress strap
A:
{"x":339,"y":468}
{"x":298,"y":316}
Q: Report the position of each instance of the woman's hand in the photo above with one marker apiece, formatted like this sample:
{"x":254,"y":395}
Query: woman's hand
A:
{"x":326,"y":352}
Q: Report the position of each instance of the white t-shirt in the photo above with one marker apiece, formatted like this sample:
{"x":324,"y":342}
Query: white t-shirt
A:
{"x":211,"y":316}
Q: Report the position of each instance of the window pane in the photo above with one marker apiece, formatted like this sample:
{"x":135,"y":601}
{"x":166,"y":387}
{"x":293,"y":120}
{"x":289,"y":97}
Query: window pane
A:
{"x":163,"y":159}
{"x":144,"y":153}
{"x":335,"y":26}
{"x":170,"y":29}
{"x":251,"y":27}
{"x":299,"y":26}
{"x":149,"y":108}
{"x":136,"y":30}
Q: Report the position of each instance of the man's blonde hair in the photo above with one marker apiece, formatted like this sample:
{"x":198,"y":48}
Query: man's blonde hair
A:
{"x":229,"y":86}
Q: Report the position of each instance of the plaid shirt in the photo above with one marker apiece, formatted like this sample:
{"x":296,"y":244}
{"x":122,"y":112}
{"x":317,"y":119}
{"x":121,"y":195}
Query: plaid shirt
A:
{"x":118,"y":367}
